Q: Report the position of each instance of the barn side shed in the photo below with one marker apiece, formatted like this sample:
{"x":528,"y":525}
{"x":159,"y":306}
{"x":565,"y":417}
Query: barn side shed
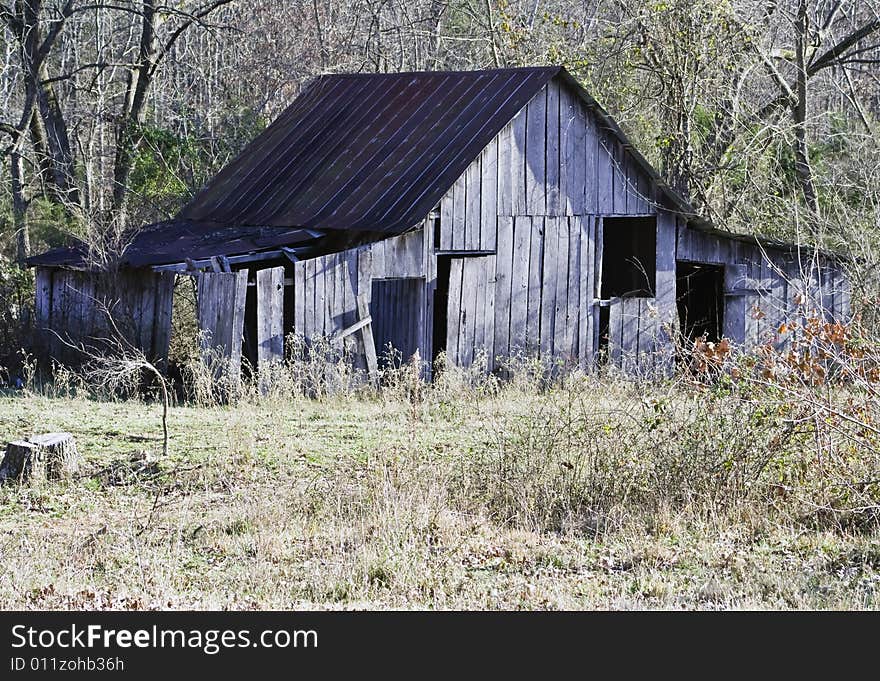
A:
{"x":483,"y":214}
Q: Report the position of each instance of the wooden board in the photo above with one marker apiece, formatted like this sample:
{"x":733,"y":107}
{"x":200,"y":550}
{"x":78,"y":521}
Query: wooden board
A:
{"x":489,"y":209}
{"x":506,"y":170}
{"x":585,"y":230}
{"x":632,"y":329}
{"x":533,"y":294}
{"x":572,"y":154}
{"x":270,"y":316}
{"x":504,"y":273}
{"x":519,"y":284}
{"x":552,"y":151}
{"x":164,"y":301}
{"x":455,"y":303}
{"x":221,"y":299}
{"x":459,"y":213}
{"x":536,"y":155}
{"x":569,"y":315}
{"x":549,"y":273}
{"x":518,"y":163}
{"x":470,"y":228}
{"x":605,"y":174}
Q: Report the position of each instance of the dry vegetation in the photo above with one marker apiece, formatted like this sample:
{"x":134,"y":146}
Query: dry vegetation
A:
{"x":596,"y":492}
{"x":754,"y":484}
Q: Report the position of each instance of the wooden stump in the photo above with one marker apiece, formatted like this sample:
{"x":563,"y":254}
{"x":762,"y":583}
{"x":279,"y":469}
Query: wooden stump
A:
{"x":50,"y":456}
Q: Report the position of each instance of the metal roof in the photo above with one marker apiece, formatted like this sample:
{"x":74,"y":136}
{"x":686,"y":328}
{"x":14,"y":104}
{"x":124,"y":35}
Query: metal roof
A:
{"x":366,"y":152}
{"x":362,"y":153}
{"x":354,"y":158}
{"x":176,"y":240}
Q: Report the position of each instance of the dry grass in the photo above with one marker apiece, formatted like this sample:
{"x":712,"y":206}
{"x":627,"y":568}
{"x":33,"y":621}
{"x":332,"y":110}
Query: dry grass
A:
{"x":597,"y":493}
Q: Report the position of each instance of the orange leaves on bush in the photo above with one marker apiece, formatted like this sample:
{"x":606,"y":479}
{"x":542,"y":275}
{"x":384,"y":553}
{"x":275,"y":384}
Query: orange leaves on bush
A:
{"x":707,"y":356}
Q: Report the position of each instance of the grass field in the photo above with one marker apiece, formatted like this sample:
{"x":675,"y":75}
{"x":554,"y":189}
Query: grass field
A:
{"x":597,"y":494}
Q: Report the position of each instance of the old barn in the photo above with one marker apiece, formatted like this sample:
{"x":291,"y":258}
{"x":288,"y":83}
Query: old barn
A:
{"x":484,"y":213}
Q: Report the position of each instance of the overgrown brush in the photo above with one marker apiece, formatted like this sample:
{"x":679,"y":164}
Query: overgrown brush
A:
{"x":787,"y":428}
{"x":791,"y":429}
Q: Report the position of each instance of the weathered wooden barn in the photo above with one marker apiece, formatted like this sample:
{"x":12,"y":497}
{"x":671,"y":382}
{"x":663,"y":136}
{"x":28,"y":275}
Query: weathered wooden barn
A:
{"x":484,"y":213}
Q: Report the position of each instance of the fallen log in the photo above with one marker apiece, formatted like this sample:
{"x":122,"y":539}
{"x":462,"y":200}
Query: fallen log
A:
{"x":50,"y":457}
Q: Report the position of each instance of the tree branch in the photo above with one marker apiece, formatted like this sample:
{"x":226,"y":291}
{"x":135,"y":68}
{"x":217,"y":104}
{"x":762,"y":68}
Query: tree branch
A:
{"x":834,"y":54}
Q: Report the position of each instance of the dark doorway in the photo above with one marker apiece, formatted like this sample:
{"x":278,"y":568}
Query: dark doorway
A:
{"x":629,"y":257}
{"x":441,"y":306}
{"x":604,"y":327}
{"x":700,"y":300}
{"x":249,"y":334}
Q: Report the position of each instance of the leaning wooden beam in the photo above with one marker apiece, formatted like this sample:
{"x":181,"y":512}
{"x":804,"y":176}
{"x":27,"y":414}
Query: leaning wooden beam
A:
{"x":353,"y":329}
{"x":367,"y":337}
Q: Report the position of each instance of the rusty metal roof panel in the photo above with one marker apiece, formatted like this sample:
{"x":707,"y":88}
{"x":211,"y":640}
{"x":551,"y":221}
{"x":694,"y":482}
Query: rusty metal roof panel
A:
{"x":366,"y":152}
{"x":176,"y":240}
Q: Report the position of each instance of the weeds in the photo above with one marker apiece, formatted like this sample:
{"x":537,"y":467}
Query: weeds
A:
{"x":724,"y":486}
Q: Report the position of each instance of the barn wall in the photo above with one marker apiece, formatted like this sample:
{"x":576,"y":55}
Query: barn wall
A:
{"x":765,"y":287}
{"x":553,"y":160}
{"x":72,"y":305}
{"x":325,"y":290}
{"x":532,"y":200}
{"x":533,"y":296}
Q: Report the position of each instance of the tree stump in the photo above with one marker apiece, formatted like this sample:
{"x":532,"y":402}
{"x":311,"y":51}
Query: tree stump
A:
{"x":50,"y":456}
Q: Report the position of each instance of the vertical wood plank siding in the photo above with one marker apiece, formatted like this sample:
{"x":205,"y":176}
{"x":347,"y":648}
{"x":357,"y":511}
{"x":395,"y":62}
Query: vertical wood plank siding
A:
{"x":317,"y":314}
{"x":542,"y":181}
{"x":74,"y":305}
{"x":221,"y":300}
{"x":270,"y":315}
{"x":765,"y":287}
{"x":325,"y":291}
{"x":550,"y":160}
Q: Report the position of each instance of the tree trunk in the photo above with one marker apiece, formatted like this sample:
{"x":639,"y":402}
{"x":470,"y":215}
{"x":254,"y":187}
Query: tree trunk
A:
{"x":17,"y":177}
{"x":134,"y":109}
{"x":19,"y":203}
{"x":802,"y":155}
{"x":58,"y":139}
{"x":43,"y":163}
{"x":34,"y":52}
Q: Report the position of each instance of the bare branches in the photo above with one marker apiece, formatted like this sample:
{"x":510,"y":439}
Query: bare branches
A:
{"x":193,"y":18}
{"x":113,"y":363}
{"x":836,"y":54}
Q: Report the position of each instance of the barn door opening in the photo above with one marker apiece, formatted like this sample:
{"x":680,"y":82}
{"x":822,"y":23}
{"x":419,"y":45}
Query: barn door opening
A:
{"x":628,"y":269}
{"x":700,"y":300}
{"x":397,"y":312}
{"x":629,"y":257}
{"x":440,"y":321}
{"x":249,"y":337}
